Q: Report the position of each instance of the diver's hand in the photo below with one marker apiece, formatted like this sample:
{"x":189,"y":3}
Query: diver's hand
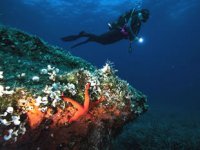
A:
{"x":136,"y":38}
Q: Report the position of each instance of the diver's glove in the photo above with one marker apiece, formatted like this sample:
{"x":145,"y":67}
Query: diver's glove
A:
{"x":136,"y":38}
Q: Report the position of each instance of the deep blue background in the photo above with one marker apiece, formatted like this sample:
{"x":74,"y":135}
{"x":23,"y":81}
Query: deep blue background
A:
{"x":166,"y":67}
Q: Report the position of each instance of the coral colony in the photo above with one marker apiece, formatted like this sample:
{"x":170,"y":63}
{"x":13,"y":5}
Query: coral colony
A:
{"x":64,"y":99}
{"x":57,"y":96}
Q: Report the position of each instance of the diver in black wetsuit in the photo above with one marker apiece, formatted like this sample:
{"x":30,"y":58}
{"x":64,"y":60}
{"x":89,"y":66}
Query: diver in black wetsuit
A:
{"x":126,"y":27}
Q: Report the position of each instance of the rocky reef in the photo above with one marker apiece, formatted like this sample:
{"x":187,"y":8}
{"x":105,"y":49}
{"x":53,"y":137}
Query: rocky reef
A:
{"x":50,"y":99}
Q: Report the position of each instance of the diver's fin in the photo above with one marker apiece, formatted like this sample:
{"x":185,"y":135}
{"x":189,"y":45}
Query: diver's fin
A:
{"x":78,"y":44}
{"x":70,"y":38}
{"x":84,"y":34}
{"x":75,"y":37}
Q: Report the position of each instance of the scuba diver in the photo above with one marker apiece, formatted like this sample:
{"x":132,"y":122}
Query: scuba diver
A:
{"x":126,"y":27}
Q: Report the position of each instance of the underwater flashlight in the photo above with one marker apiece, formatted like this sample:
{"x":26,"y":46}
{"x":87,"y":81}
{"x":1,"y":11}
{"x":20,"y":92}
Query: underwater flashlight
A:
{"x":140,"y":40}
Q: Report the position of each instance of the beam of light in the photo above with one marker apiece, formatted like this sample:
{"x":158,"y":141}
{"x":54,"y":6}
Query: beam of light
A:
{"x":140,"y":40}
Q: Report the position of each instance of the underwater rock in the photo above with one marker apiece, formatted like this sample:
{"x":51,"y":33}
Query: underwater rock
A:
{"x":50,"y":99}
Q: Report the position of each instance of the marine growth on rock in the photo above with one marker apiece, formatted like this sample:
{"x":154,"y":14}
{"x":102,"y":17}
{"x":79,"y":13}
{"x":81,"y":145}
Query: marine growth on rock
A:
{"x":64,"y":99}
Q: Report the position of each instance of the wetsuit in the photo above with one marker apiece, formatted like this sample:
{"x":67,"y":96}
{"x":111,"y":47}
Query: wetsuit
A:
{"x":126,"y":27}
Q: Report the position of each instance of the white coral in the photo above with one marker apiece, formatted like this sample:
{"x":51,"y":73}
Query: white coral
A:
{"x":71,"y":88}
{"x":5,"y":122}
{"x":38,"y":100}
{"x":9,"y":136}
{"x":43,"y":71}
{"x":10,"y":110}
{"x":2,"y":91}
{"x":35,"y":79}
{"x":106,"y":68}
{"x":16,"y":120}
{"x":1,"y":75}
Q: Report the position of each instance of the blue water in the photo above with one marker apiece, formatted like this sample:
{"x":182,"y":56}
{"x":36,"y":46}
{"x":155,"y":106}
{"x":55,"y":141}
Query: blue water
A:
{"x":166,"y":67}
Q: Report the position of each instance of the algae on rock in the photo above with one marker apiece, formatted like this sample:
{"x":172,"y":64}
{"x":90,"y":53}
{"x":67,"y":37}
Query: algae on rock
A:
{"x":24,"y":53}
{"x":34,"y":72}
